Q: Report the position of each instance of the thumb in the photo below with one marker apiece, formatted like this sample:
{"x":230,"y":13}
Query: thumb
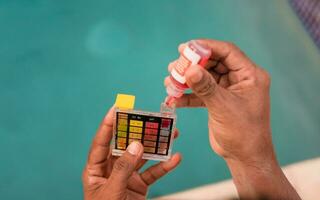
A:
{"x":126,"y":164}
{"x":202,"y":83}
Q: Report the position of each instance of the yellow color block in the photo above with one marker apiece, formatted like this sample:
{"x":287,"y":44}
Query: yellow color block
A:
{"x":122,"y":127}
{"x":125,"y":101}
{"x":131,"y":140}
{"x":135,"y":135}
{"x":135,"y":129}
{"x":122,"y":121}
{"x":122,"y":134}
{"x":136,"y":123}
{"x":121,"y":145}
{"x":122,"y":140}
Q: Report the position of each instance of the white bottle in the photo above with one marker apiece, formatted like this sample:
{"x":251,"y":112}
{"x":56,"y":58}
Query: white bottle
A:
{"x":194,"y":53}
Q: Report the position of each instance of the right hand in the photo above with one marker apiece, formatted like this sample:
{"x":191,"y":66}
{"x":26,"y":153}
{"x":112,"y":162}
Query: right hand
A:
{"x":236,"y":93}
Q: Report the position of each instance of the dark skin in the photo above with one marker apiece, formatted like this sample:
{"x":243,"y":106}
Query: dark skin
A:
{"x":235,"y":91}
{"x":118,"y":178}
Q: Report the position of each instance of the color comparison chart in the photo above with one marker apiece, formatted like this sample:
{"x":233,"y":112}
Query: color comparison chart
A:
{"x":154,"y":132}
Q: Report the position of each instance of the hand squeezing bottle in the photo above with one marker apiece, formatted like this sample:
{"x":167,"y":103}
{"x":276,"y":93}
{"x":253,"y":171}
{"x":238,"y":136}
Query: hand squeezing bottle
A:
{"x":194,"y":53}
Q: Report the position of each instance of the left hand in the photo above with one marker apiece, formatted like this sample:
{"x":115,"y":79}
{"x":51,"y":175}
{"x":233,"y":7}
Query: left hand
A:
{"x":110,"y":177}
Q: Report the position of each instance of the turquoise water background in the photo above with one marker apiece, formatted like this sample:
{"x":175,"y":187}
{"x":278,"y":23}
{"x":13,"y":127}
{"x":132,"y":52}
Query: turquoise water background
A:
{"x":63,"y":61}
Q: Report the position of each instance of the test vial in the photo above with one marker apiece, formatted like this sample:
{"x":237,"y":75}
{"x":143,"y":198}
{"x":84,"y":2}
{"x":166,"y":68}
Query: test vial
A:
{"x":194,"y":53}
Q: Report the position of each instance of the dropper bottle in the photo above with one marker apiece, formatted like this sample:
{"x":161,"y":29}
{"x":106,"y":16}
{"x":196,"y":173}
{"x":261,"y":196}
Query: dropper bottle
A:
{"x":194,"y":53}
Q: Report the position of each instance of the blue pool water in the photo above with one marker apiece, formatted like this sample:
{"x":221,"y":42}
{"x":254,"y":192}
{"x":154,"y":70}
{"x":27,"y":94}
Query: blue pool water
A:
{"x":62,"y":63}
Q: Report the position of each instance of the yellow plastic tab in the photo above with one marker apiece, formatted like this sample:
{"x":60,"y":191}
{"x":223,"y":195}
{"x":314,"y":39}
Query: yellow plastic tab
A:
{"x":125,"y":101}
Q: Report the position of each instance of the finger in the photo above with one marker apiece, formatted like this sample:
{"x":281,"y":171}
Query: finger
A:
{"x":141,"y":164}
{"x":215,"y":75}
{"x":242,"y":85}
{"x":189,"y":100}
{"x":155,"y":172}
{"x":202,"y":83}
{"x":115,"y":158}
{"x":224,"y":81}
{"x":220,"y":68}
{"x":227,"y":53}
{"x":181,"y":47}
{"x":211,"y":64}
{"x":100,"y":146}
{"x":126,"y":164}
{"x":175,"y":133}
{"x":167,"y":81}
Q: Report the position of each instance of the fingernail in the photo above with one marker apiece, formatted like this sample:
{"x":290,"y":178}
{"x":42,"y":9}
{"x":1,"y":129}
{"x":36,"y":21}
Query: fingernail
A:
{"x":196,"y":74}
{"x":134,"y":148}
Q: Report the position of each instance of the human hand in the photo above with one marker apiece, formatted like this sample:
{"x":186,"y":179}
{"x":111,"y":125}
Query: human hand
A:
{"x":110,"y":177}
{"x":236,"y":93}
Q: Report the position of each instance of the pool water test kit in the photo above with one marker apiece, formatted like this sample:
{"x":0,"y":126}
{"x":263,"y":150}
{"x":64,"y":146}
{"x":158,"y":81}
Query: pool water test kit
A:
{"x":154,"y":130}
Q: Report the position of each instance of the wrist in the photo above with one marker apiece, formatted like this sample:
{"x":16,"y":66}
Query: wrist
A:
{"x":265,"y":163}
{"x":256,"y":180}
{"x":253,"y":170}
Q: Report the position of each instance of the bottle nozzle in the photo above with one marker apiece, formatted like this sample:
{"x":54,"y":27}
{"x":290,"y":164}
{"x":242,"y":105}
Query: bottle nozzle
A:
{"x":169,"y":101}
